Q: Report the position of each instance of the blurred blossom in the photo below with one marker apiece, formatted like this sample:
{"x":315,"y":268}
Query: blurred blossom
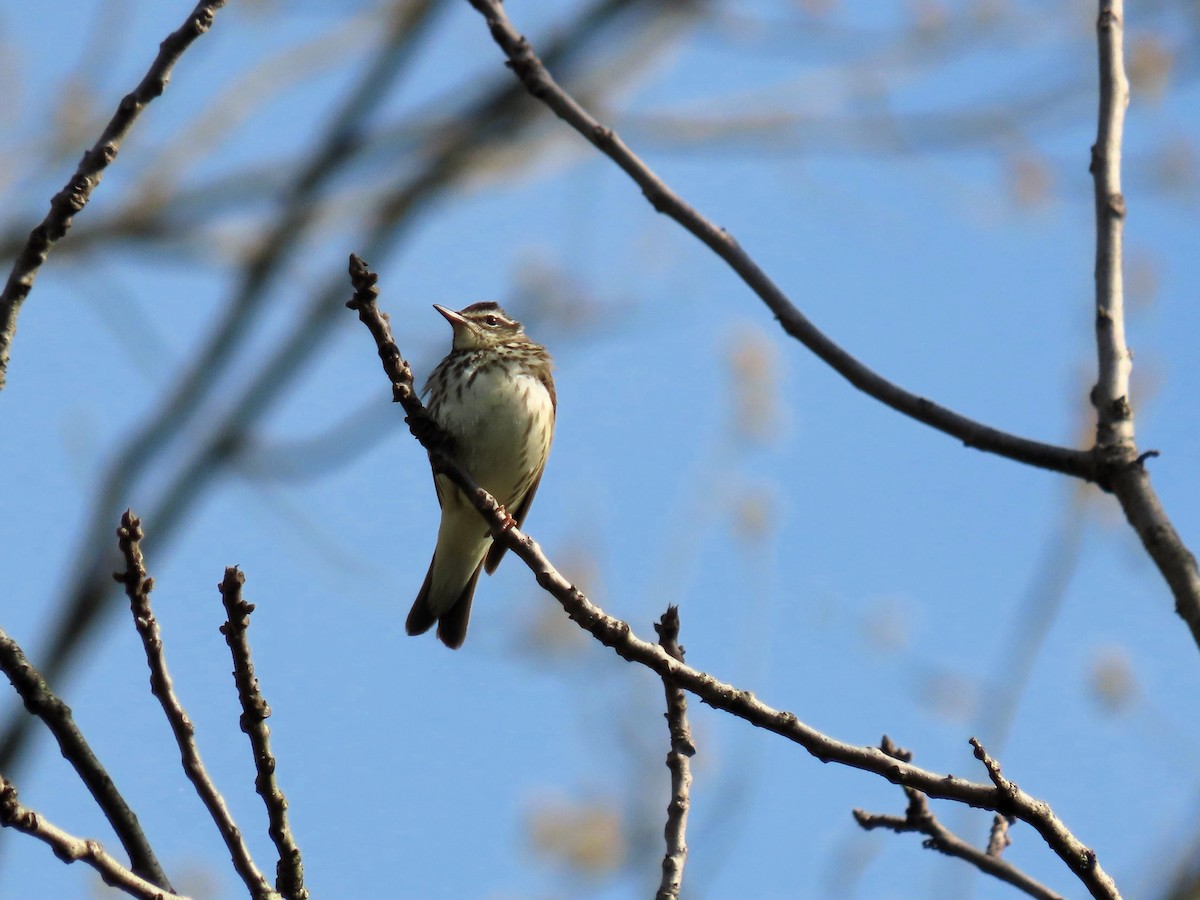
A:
{"x":929,"y":17}
{"x":1148,"y":63}
{"x":754,"y":372}
{"x":75,"y":122}
{"x":887,"y":625}
{"x":754,"y":513}
{"x":816,"y":7}
{"x":587,"y":837}
{"x":544,"y":293}
{"x":989,"y":13}
{"x":1141,"y":278}
{"x":1111,"y":682}
{"x":1029,"y":180}
{"x":949,"y":695}
{"x":551,"y":633}
{"x":1176,"y":169}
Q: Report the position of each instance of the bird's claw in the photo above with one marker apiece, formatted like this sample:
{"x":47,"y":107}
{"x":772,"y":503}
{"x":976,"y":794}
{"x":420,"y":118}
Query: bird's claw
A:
{"x":507,"y":521}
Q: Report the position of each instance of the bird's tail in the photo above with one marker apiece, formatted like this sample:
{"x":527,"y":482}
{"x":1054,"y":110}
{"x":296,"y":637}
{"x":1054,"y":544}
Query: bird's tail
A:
{"x":452,"y":621}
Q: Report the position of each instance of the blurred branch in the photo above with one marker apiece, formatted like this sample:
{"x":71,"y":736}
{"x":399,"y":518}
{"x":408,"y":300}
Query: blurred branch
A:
{"x":678,"y":761}
{"x":70,"y":849}
{"x":489,"y":120}
{"x":85,"y":597}
{"x":1001,"y":796}
{"x":289,"y":880}
{"x":1039,"y":607}
{"x":1116,"y":449}
{"x":43,"y":703}
{"x":138,"y":586}
{"x":920,"y":819}
{"x":538,"y":81}
{"x":75,"y":195}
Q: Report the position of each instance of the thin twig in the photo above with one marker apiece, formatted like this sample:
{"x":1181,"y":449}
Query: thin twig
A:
{"x":138,"y":586}
{"x":47,"y":706}
{"x":617,"y":635}
{"x":75,"y":195}
{"x":289,"y":877}
{"x":920,"y":819}
{"x":1115,"y":444}
{"x":71,"y":849}
{"x":537,"y":80}
{"x":678,"y":761}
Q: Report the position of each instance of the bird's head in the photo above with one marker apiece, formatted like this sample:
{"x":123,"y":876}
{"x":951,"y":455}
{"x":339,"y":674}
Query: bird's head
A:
{"x":482,"y":325}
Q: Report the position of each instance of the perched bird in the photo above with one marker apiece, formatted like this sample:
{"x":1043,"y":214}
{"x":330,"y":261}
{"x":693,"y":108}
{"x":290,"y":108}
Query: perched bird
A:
{"x":494,"y":396}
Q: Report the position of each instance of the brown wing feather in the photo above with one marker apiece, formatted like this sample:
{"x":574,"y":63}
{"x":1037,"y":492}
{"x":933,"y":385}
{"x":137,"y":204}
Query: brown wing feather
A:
{"x":496,"y":551}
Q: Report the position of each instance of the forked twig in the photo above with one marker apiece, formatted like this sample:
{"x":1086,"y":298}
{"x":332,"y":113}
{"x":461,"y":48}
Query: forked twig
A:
{"x":47,"y":706}
{"x":71,"y":849}
{"x":919,"y":818}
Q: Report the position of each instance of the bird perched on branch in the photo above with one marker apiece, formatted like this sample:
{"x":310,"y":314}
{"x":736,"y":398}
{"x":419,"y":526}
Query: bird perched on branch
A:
{"x":494,"y":397}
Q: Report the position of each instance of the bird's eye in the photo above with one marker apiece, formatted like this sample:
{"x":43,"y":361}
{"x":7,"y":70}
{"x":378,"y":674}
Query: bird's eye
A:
{"x":491,"y":321}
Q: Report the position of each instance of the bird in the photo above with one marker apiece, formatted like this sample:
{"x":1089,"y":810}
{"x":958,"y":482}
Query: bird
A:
{"x":493,"y":395}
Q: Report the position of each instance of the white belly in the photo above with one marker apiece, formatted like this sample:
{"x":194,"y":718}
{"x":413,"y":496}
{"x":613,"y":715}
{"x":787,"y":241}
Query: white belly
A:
{"x":502,"y":435}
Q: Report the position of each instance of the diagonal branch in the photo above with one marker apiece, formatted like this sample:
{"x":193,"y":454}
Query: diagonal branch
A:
{"x":138,"y":585}
{"x":538,"y":81}
{"x":75,"y":195}
{"x":70,"y":849}
{"x":1001,"y":796}
{"x":47,"y":706}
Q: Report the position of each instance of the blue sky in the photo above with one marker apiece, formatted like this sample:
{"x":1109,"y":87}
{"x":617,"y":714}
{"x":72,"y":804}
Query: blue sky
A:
{"x":884,"y":573}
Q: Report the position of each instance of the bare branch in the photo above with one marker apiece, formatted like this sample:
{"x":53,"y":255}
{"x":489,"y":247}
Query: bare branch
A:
{"x":138,"y":586}
{"x":538,"y":81}
{"x":1115,"y":445}
{"x":920,"y":819}
{"x":43,"y":703}
{"x":1114,"y":426}
{"x":678,"y":761}
{"x":75,"y":195}
{"x":71,"y":849}
{"x":289,"y":878}
{"x":1002,"y":796}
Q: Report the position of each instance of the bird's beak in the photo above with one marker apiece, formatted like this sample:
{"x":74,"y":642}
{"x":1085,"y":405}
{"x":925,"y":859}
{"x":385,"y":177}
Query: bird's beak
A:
{"x":452,"y":317}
